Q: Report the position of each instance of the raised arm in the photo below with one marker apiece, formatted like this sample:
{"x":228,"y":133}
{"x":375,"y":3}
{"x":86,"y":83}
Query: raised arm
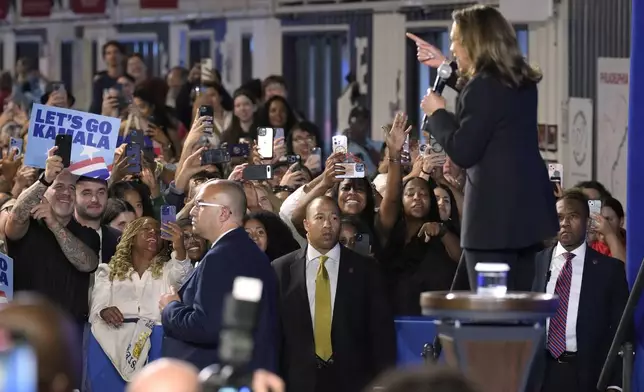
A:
{"x":326,"y":181}
{"x":389,"y":207}
{"x":18,"y":221}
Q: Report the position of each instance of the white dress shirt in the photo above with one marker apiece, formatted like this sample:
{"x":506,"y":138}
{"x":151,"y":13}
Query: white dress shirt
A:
{"x":556,"y":265}
{"x":136,"y":296}
{"x":332,"y":266}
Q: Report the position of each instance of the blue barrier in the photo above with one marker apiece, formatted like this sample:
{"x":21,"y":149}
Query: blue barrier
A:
{"x":100,"y":374}
{"x":411,"y":335}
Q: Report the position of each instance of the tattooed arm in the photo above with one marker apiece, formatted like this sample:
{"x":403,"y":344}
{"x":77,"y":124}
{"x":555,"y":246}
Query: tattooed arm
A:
{"x":18,"y":220}
{"x":80,"y":255}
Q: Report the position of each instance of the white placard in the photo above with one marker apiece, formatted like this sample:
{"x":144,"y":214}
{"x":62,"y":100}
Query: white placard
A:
{"x":579,"y":165}
{"x":612,"y":124}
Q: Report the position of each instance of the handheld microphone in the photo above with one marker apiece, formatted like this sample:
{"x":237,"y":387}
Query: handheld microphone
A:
{"x":444,"y":72}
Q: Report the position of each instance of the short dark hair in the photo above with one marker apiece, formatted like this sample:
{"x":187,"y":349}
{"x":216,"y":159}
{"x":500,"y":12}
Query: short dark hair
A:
{"x":128,"y":77}
{"x":615,"y":205}
{"x":596,"y":185}
{"x":424,"y":379}
{"x":114,"y":208}
{"x":575,"y":194}
{"x":323,"y":199}
{"x":114,"y":43}
{"x":273,"y":79}
{"x":91,"y":179}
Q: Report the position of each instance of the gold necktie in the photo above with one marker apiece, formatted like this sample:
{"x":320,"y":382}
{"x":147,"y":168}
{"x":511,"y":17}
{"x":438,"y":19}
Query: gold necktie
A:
{"x":322,"y":327}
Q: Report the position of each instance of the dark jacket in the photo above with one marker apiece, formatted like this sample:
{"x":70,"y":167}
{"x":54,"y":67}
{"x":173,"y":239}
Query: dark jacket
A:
{"x":509,"y":201}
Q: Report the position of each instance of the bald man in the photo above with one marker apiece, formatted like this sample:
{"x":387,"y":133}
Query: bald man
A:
{"x":51,"y":334}
{"x":337,"y":332}
{"x":192,"y":317}
{"x":166,"y":375}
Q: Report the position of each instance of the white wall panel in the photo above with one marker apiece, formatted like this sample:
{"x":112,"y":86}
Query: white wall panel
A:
{"x":267,"y":48}
{"x":548,"y":48}
{"x":388,"y":69}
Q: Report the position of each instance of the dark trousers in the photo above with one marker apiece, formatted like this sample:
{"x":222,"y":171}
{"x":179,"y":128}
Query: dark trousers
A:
{"x":560,"y":377}
{"x":521,"y":262}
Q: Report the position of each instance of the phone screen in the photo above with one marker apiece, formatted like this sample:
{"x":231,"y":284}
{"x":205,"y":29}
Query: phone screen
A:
{"x":265,"y":142}
{"x":351,"y":170}
{"x":215,"y":155}
{"x":316,"y":153}
{"x":279,"y":132}
{"x":168,"y":214}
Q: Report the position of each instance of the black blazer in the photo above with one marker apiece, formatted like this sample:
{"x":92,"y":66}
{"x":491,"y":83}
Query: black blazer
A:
{"x":509,"y":201}
{"x":363,"y":334}
{"x":109,"y":240}
{"x":192,"y":327}
{"x":604,"y":292}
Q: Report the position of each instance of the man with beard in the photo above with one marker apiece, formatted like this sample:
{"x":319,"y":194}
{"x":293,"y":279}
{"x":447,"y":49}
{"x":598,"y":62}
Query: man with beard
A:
{"x":53,"y":254}
{"x":91,"y":199}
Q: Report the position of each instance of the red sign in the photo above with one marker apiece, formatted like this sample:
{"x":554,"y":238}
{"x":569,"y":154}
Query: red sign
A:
{"x":160,"y":4}
{"x":88,"y":6}
{"x":35,"y":8}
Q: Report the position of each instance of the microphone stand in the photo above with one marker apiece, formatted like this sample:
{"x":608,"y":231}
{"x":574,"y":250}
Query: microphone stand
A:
{"x":623,"y":329}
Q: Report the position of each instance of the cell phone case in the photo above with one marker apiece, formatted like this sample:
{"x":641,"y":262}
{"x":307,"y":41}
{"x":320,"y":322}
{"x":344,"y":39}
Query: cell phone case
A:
{"x":64,"y":144}
{"x":257,"y":172}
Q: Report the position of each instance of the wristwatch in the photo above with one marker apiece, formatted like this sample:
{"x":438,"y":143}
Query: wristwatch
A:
{"x":442,"y":231}
{"x":43,"y":181}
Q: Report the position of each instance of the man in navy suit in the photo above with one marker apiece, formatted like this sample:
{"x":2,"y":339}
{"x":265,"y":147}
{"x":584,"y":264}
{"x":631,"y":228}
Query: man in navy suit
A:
{"x":192,"y":316}
{"x":593,"y":291}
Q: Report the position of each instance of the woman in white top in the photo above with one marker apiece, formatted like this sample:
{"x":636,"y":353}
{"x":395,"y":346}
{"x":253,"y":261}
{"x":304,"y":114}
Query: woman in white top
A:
{"x":129,"y":286}
{"x":124,"y":305}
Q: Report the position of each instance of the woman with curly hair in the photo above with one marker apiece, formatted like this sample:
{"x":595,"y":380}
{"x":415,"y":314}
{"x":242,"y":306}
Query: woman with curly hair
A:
{"x":124,"y":305}
{"x":270,"y":233}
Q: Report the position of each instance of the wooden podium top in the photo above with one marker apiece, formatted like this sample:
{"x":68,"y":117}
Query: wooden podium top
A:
{"x":465,"y":305}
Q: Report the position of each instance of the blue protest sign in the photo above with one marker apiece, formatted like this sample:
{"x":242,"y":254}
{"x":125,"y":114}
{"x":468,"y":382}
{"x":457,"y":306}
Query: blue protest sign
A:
{"x":6,"y":277}
{"x":93,"y":143}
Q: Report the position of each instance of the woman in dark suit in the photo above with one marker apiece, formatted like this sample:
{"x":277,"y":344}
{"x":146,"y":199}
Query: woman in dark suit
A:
{"x":509,"y":206}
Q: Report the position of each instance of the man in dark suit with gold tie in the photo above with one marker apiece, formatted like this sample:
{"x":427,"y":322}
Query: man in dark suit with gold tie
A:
{"x":336,"y":332}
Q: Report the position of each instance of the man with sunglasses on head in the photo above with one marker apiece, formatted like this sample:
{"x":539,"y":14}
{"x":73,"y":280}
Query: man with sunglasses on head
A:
{"x":192,"y":315}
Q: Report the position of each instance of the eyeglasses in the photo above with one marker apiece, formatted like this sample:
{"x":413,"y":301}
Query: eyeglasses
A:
{"x":200,"y":204}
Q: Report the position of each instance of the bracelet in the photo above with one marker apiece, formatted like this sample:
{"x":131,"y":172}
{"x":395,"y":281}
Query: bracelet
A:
{"x":42,"y":180}
{"x":283,"y":188}
{"x":424,"y":172}
{"x":394,"y":160}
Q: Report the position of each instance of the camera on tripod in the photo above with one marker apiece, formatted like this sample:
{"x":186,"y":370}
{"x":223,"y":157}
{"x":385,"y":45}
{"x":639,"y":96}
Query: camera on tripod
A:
{"x":236,"y":342}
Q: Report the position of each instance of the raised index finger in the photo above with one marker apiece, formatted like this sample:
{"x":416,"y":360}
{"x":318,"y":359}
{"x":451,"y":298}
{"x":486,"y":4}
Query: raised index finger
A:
{"x":416,"y":39}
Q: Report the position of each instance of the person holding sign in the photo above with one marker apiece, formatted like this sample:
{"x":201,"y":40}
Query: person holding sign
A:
{"x":53,"y":254}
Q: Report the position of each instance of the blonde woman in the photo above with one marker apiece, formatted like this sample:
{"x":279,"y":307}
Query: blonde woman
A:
{"x":124,"y":306}
{"x":509,"y":206}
